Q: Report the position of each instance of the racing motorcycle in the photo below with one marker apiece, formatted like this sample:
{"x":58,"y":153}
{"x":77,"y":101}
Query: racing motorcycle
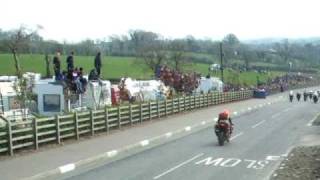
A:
{"x":291,"y":98}
{"x":222,"y":130}
{"x":315,"y":99}
{"x":298,"y":96}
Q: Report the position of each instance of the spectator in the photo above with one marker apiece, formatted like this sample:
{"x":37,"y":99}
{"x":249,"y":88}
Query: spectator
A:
{"x":70,"y":64}
{"x":97,"y":63}
{"x":57,"y":66}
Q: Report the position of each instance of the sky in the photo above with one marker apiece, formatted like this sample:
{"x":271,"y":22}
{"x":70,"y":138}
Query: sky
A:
{"x":76,"y":20}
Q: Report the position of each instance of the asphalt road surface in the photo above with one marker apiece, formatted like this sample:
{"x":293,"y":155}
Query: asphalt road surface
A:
{"x":261,"y":139}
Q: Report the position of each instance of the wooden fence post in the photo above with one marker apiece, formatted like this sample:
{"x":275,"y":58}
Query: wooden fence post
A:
{"x":35,"y":134}
{"x":179,"y":106}
{"x":141,"y":115}
{"x":165,"y":107}
{"x":130,"y":114}
{"x":106,"y":118}
{"x":76,"y":125}
{"x":150,"y":110}
{"x":58,"y":129}
{"x":184,"y":103}
{"x":92,"y":122}
{"x":172,"y":106}
{"x":207,"y":100}
{"x":119,"y":117}
{"x":158,"y":110}
{"x":10,"y":145}
{"x":194,"y":102}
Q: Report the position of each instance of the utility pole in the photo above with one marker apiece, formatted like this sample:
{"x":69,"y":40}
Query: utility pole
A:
{"x":221,"y":63}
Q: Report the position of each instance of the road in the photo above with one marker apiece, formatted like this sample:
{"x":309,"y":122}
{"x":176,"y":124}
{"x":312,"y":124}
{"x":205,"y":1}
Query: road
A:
{"x":262,"y":138}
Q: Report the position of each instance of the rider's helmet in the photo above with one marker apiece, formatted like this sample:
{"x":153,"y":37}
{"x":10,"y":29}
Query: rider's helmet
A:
{"x":224,"y":114}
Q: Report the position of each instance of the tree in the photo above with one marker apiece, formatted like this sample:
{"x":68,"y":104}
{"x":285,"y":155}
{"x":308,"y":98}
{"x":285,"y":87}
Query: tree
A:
{"x":230,"y":47}
{"x":18,"y":40}
{"x":283,"y":50}
{"x":178,"y":57}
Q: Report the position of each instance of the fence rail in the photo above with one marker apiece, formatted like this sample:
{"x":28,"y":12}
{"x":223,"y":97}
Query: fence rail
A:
{"x":32,"y":134}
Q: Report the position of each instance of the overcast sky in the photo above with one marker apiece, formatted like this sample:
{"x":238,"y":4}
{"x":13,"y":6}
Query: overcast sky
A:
{"x":75,"y":20}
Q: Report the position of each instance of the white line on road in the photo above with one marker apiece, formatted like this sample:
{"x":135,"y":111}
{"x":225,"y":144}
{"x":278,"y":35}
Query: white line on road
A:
{"x":286,"y":110}
{"x":112,"y":153}
{"x":235,"y":113}
{"x":67,"y":168}
{"x":275,"y":115}
{"x":256,"y":125}
{"x":188,"y":128}
{"x":169,"y":134}
{"x":144,"y":143}
{"x":203,"y":122}
{"x":313,"y":119}
{"x":178,"y":166}
{"x":235,"y":136}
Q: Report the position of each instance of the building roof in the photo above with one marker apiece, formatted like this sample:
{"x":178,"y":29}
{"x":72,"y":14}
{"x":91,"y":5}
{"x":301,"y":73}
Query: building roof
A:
{"x":6,"y":88}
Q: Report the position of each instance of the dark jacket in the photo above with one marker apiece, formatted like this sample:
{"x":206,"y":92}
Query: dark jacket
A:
{"x":97,"y":61}
{"x":56,"y":63}
{"x":70,"y":62}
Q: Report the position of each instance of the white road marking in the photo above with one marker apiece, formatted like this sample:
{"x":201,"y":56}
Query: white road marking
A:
{"x":203,"y":122}
{"x":313,"y":119}
{"x":215,"y":119}
{"x":235,"y":136}
{"x":144,"y":143}
{"x":273,"y":158}
{"x":249,"y":108}
{"x":256,"y":125}
{"x":188,"y":128}
{"x":178,"y":166}
{"x":235,"y":113}
{"x":286,"y":110}
{"x":168,"y":134}
{"x":67,"y":168}
{"x":112,"y":153}
{"x":275,"y":115}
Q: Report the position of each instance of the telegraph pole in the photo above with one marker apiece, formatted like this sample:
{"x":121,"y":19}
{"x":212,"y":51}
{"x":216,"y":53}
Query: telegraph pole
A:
{"x":221,"y":62}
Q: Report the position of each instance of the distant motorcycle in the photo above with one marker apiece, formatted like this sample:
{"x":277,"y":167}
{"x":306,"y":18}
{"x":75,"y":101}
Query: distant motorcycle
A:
{"x":315,"y":99}
{"x":222,"y":130}
{"x":298,"y":96}
{"x":291,"y":98}
{"x":305,"y":96}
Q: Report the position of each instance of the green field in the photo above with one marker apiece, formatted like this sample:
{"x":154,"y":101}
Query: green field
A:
{"x":117,"y":67}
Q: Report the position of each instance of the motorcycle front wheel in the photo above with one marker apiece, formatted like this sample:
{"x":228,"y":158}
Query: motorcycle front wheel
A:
{"x":221,"y":138}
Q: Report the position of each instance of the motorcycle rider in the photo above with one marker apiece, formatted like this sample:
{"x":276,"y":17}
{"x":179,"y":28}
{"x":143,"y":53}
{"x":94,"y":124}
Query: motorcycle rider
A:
{"x":225,"y":118}
{"x":298,"y":95}
{"x":315,"y":97}
{"x":291,"y":96}
{"x":305,"y":95}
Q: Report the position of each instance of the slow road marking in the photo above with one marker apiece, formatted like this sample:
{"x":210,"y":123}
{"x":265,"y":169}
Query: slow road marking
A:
{"x":178,"y":166}
{"x":258,"y":124}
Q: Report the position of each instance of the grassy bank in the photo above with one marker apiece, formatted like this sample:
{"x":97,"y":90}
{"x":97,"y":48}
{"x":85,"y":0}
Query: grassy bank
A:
{"x":117,"y":67}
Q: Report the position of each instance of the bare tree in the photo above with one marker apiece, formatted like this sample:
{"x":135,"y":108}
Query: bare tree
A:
{"x":283,"y":50}
{"x":17,"y":40}
{"x":178,"y":57}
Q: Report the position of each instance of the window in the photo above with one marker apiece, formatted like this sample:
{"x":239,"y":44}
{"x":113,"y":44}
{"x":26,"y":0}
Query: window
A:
{"x":51,"y":102}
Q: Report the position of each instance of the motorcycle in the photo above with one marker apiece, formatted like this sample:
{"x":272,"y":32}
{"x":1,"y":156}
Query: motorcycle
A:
{"x":315,"y":99}
{"x":305,"y":97}
{"x":298,"y":96}
{"x":222,"y":131}
{"x":291,"y":98}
